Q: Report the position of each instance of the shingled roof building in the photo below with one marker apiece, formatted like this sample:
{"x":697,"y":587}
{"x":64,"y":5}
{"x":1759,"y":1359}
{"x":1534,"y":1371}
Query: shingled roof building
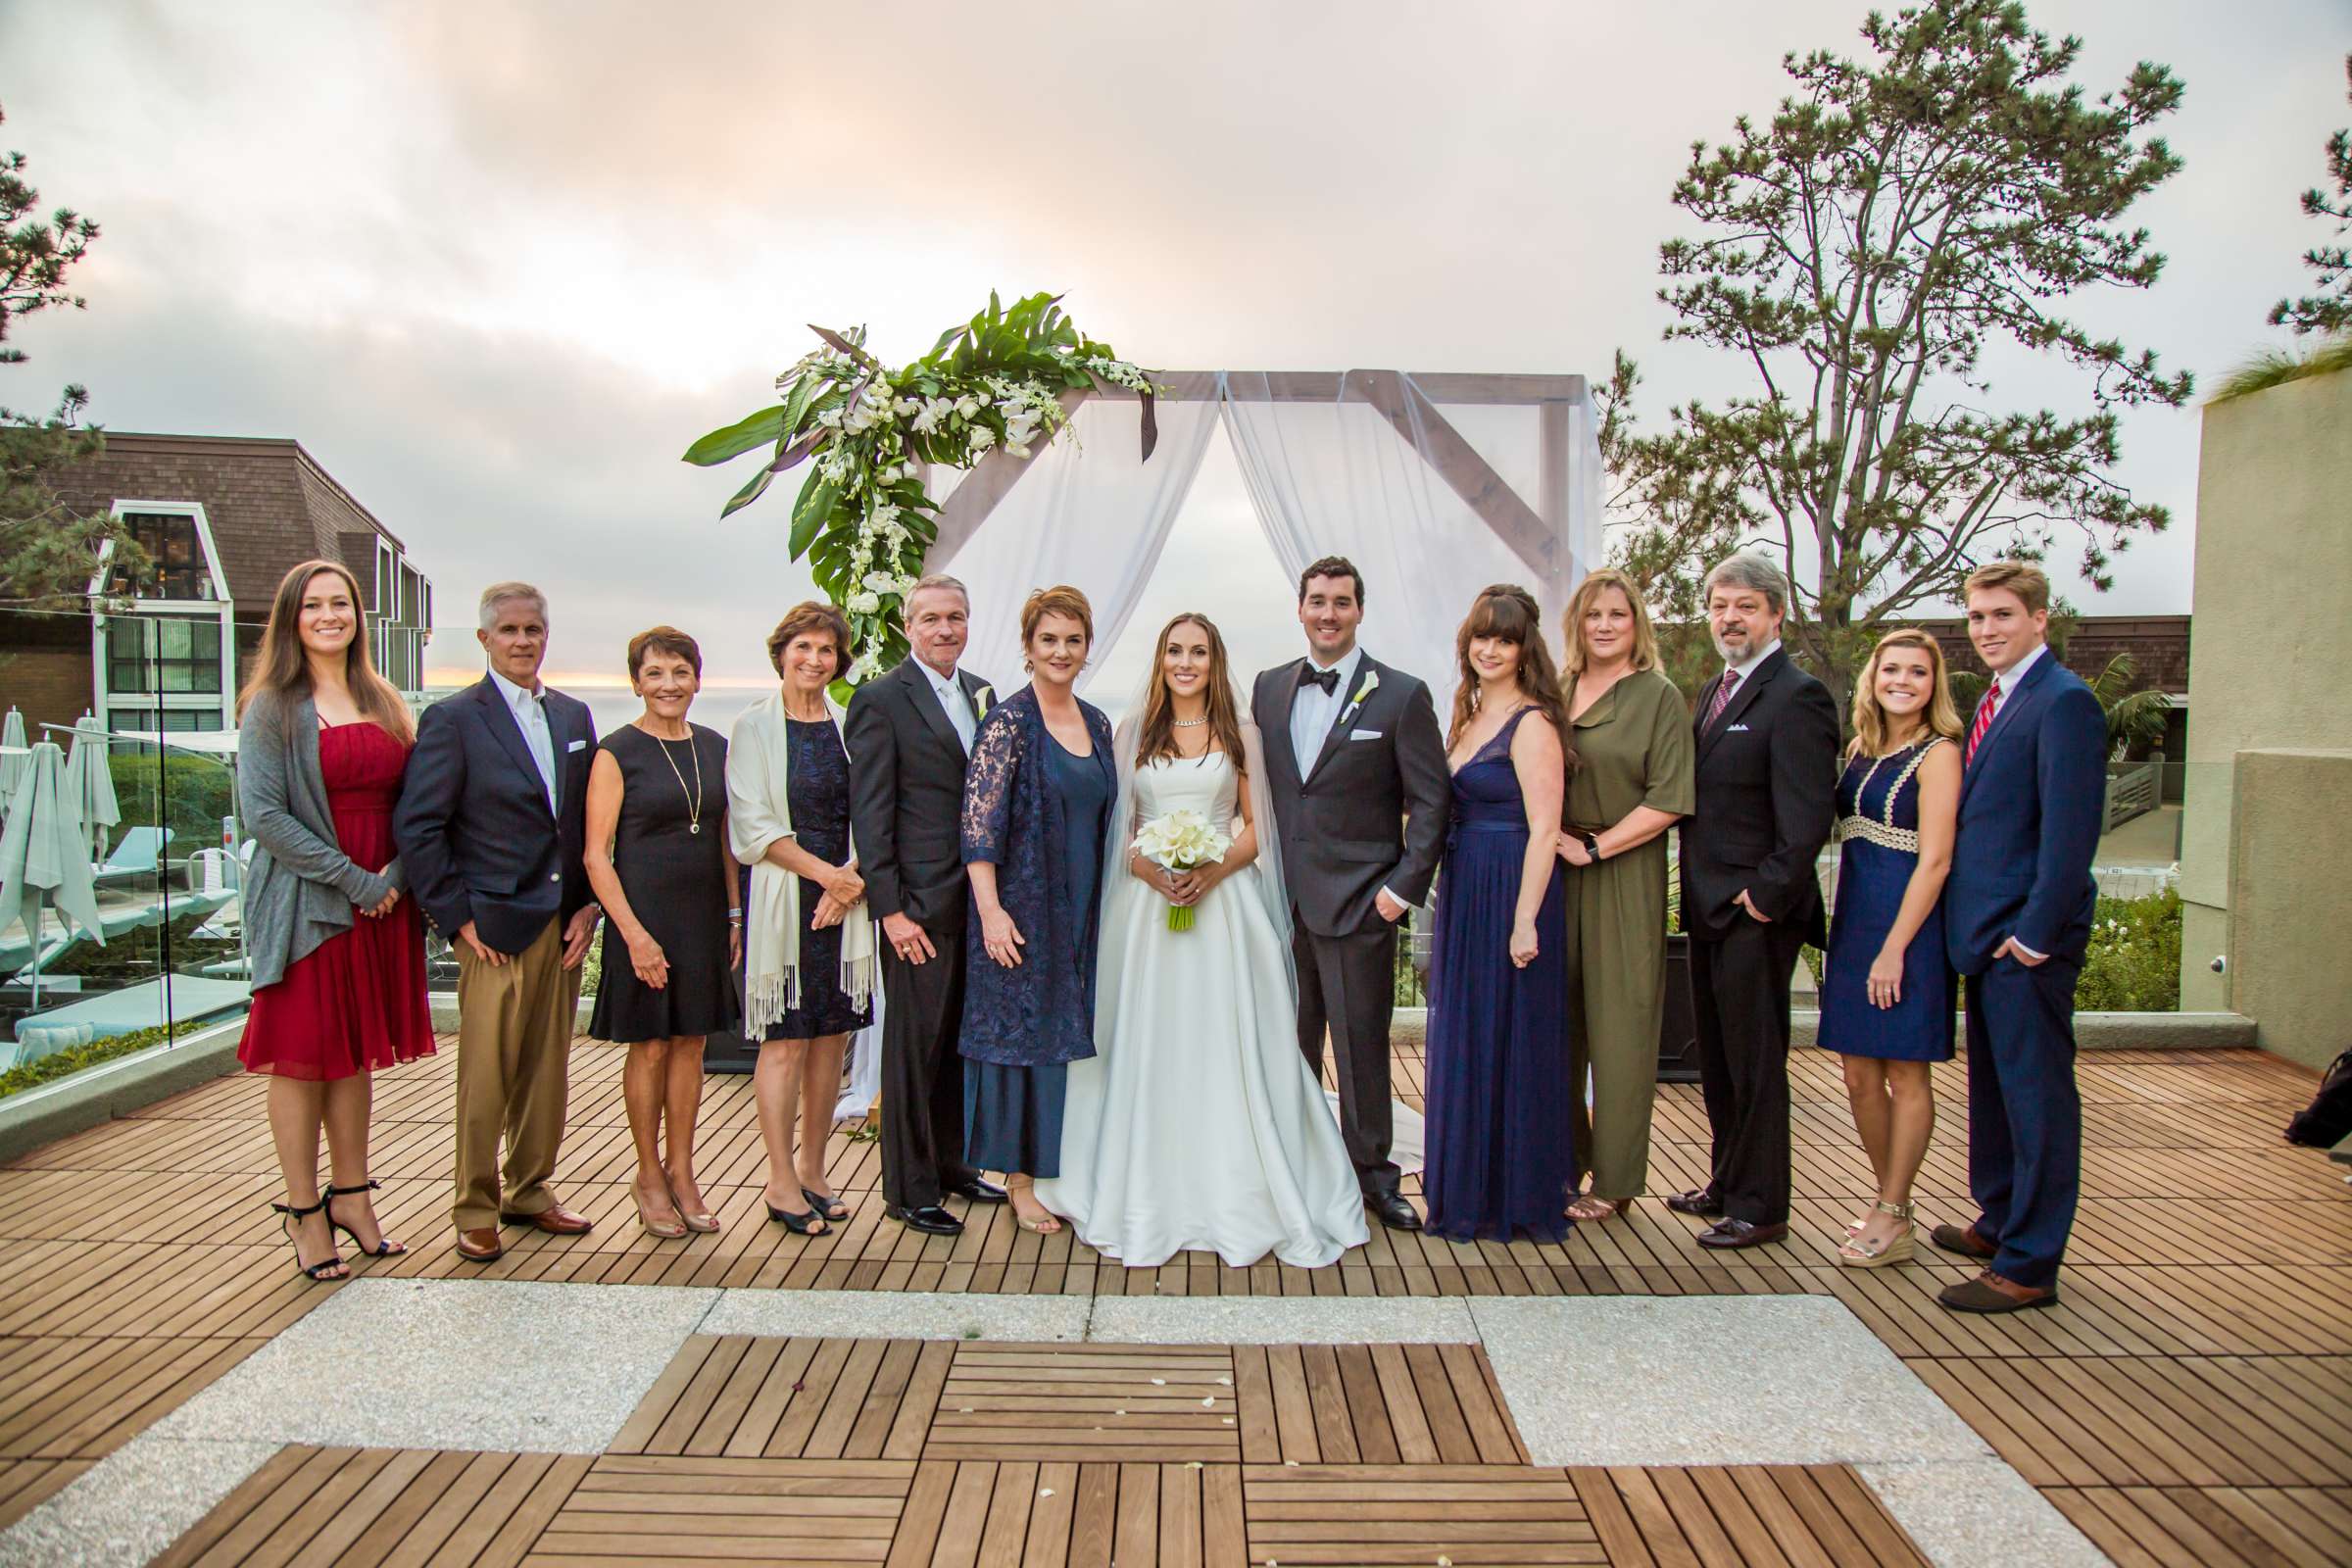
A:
{"x":225,"y":517}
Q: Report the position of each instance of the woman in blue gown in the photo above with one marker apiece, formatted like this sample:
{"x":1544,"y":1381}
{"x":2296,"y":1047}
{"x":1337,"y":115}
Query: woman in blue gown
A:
{"x":1499,"y":1159}
{"x":1037,"y":802}
{"x":1887,"y":991}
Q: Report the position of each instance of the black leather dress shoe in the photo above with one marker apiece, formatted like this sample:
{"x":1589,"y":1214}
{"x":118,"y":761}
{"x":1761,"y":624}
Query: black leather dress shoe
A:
{"x":1698,"y":1201}
{"x":1393,"y":1211}
{"x":978,"y":1190}
{"x":930,"y":1219}
{"x":1726,"y":1233}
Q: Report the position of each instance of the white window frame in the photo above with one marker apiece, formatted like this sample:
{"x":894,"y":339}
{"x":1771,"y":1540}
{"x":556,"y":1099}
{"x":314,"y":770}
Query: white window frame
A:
{"x":219,"y":704}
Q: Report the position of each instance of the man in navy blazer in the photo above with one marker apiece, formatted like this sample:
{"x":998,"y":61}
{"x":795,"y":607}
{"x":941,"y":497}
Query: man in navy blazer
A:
{"x":2017,"y":920}
{"x":491,"y":824}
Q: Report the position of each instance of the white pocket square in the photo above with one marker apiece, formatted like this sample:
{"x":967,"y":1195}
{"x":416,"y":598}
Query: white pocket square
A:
{"x":1737,"y":730}
{"x":577,"y":746}
{"x":1363,"y":734}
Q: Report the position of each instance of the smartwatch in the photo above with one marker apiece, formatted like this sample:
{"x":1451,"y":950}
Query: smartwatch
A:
{"x":1591,"y":845}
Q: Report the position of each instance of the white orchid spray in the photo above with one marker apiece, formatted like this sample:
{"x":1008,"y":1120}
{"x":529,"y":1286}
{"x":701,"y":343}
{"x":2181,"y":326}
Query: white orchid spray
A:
{"x":1181,"y":841}
{"x":871,"y":435}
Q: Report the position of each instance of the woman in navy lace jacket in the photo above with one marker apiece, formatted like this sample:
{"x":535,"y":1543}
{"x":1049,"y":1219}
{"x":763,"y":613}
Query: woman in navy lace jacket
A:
{"x":1035,"y":810}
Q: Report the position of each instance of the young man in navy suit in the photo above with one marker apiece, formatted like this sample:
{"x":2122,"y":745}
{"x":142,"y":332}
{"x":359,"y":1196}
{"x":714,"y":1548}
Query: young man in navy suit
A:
{"x":491,"y":826}
{"x":2018,"y":910}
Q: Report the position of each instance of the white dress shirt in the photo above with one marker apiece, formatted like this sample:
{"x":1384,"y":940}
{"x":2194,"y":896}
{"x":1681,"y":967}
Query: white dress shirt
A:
{"x":954,"y":701}
{"x":1313,"y":715}
{"x":2005,"y":684}
{"x":530,"y":715}
{"x":1315,"y":711}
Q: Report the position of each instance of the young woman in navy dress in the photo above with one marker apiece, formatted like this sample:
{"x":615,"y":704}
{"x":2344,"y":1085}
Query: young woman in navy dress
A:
{"x":1500,"y":1160}
{"x":1887,"y":993}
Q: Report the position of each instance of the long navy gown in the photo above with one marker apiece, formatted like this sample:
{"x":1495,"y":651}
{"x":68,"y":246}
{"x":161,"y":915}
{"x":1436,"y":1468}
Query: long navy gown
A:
{"x":1499,"y":1158}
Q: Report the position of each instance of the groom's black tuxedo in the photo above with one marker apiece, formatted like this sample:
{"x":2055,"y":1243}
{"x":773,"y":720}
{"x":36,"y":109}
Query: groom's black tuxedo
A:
{"x":906,"y":767}
{"x":1368,"y":811}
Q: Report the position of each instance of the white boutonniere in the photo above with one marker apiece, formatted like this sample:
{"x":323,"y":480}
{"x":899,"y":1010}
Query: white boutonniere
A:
{"x":983,"y":699}
{"x":1366,"y":688}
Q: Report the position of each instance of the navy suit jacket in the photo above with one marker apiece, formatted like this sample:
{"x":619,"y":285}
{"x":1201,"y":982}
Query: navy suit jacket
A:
{"x":473,"y":825}
{"x":2032,"y":802}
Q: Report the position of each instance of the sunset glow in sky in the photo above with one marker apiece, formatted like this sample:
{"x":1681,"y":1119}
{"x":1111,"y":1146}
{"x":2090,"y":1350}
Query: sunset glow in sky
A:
{"x":496,"y":266}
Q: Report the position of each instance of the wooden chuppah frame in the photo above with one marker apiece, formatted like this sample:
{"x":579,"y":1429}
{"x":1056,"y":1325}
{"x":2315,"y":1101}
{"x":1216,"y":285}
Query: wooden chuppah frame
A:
{"x":1537,"y":531}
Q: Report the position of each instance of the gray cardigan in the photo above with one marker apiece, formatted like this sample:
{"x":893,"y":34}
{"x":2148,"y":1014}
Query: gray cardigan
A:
{"x":301,"y":888}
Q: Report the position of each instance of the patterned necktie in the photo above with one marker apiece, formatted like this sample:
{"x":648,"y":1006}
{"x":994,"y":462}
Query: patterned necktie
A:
{"x":1723,"y":699}
{"x":1982,"y":721}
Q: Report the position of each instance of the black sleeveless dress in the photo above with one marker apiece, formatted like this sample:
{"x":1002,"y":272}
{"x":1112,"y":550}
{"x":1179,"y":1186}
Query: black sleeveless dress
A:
{"x":678,"y":886}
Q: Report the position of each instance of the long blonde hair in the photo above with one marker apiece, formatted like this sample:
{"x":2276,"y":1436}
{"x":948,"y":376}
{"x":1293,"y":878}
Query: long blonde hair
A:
{"x":282,"y":668}
{"x":1574,"y":656}
{"x":1870,"y":720}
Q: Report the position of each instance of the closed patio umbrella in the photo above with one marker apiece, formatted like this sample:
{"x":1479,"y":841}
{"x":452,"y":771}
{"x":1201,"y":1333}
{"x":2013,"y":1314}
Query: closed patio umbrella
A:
{"x":91,"y":783}
{"x":44,"y":856}
{"x":12,"y":758}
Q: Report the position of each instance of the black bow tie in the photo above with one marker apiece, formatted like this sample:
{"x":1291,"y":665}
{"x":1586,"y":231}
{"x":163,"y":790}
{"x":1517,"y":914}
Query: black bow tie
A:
{"x":1328,"y":679}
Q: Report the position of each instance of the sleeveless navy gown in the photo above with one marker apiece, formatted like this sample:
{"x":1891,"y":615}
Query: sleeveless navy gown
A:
{"x":1499,"y":1158}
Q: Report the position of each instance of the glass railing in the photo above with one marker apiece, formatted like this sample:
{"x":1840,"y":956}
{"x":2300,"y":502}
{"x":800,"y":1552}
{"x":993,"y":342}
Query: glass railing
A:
{"x":124,"y":859}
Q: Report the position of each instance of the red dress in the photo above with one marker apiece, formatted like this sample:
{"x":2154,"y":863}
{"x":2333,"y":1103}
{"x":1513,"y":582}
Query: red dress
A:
{"x":357,"y":1002}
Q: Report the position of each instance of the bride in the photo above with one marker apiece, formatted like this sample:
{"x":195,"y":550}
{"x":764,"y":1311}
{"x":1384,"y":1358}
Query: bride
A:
{"x":1198,"y":1124}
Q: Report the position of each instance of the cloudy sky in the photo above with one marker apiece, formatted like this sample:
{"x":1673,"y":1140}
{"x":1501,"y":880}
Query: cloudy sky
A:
{"x":496,"y":265}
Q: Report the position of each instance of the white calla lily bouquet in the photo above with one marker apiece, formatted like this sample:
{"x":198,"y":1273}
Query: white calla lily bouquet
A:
{"x":1181,"y":841}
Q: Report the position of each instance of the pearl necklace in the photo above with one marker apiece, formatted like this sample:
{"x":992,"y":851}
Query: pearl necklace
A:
{"x":1188,"y":723}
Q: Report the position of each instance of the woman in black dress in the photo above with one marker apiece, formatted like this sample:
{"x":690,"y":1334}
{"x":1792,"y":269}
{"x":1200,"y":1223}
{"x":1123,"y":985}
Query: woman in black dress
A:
{"x":657,"y":860}
{"x":809,"y":944}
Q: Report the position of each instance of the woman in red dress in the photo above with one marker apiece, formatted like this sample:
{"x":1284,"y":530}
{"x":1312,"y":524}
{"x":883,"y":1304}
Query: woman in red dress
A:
{"x":337,"y":951}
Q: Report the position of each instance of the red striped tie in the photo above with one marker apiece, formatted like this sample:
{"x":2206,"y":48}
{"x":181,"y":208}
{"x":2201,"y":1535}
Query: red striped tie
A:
{"x":1722,"y":700}
{"x":1983,"y":722}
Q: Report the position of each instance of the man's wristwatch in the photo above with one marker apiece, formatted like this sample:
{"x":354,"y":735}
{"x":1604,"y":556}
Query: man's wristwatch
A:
{"x":1591,"y":845}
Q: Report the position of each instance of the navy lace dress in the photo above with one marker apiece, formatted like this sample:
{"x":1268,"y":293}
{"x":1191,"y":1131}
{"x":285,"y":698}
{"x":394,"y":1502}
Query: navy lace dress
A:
{"x":1499,"y":1159}
{"x":1878,"y":833}
{"x":817,"y":789}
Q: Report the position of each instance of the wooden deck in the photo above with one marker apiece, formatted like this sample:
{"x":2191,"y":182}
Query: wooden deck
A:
{"x":2189,"y":1401}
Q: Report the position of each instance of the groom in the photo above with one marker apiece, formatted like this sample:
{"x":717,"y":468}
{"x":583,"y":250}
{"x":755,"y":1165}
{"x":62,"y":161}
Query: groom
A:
{"x":1361,"y":795}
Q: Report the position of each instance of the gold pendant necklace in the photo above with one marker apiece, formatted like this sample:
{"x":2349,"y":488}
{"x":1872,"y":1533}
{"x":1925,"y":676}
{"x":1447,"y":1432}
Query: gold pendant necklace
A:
{"x":694,"y":801}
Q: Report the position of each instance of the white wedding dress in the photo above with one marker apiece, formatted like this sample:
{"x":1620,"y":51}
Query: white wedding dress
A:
{"x":1196,"y":1126}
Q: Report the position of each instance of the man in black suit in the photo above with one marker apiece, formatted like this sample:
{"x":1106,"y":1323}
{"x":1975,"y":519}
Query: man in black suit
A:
{"x":1361,"y":797}
{"x":909,"y":736}
{"x":491,"y":824}
{"x":1767,"y":781}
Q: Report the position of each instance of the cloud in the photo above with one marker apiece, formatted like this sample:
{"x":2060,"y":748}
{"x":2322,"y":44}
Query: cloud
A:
{"x":496,"y":265}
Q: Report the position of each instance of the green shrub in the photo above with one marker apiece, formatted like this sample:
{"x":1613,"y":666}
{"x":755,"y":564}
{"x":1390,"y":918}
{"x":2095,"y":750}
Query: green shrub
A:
{"x":65,"y":1062}
{"x":2134,"y":964}
{"x":198,"y":792}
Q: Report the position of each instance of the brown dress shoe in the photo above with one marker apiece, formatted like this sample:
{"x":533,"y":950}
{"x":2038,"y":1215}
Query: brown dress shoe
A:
{"x":1965,"y":1240}
{"x":1736,"y":1232}
{"x":480,"y":1247}
{"x":555,"y":1220}
{"x":1990,"y":1292}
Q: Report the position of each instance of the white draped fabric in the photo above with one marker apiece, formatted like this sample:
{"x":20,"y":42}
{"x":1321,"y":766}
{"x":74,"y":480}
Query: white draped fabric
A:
{"x":1092,"y":513}
{"x":1409,"y":479}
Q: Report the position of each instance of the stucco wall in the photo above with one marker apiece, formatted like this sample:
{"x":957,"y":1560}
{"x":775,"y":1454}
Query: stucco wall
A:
{"x":2291,"y":895}
{"x":2273,"y":606}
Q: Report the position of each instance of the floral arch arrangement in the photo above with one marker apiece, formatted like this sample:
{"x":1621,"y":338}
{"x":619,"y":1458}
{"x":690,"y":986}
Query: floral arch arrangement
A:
{"x":863,"y":517}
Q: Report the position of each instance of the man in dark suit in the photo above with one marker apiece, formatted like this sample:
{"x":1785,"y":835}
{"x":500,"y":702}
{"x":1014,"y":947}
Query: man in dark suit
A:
{"x":1362,"y":796}
{"x":2017,"y":909}
{"x":909,"y":736}
{"x":1767,"y":781}
{"x":491,"y":825}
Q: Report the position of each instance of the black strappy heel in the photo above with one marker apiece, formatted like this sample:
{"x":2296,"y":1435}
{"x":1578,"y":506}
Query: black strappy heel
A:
{"x":314,"y":1271}
{"x":833,"y":1208}
{"x":802,"y":1224}
{"x":385,"y":1246}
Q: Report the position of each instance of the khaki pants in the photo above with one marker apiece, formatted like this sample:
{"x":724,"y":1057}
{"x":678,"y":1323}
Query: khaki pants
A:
{"x":513,"y":1052}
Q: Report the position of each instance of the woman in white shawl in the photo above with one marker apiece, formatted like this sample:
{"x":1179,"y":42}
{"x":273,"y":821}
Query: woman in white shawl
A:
{"x":808,"y":944}
{"x":1198,"y":1124}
